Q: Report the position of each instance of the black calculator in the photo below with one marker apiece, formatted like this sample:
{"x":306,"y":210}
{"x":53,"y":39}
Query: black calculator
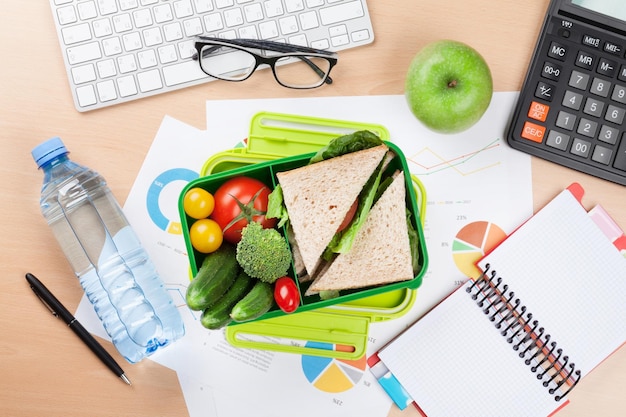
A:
{"x":572,"y":106}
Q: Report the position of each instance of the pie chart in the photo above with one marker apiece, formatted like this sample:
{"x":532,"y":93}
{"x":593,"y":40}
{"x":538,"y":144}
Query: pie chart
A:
{"x":331,"y":374}
{"x":472,"y":242}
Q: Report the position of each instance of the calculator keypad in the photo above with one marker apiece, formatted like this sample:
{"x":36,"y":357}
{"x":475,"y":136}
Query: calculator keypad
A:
{"x":573,"y":106}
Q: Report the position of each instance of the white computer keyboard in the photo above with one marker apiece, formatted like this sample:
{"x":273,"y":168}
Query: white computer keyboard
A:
{"x":122,"y":50}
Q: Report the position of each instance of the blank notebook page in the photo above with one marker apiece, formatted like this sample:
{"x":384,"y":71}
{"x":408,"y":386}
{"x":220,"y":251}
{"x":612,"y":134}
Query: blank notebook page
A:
{"x":567,"y":273}
{"x":454,"y":362}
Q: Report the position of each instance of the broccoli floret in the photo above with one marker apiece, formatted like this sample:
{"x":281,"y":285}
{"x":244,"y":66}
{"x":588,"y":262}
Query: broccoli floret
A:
{"x":263,"y":253}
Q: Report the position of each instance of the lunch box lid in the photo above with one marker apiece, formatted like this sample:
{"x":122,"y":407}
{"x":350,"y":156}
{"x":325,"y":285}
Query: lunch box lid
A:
{"x":339,"y":330}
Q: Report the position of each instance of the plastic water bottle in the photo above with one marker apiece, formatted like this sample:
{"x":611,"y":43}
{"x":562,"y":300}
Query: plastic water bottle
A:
{"x":115,"y":271}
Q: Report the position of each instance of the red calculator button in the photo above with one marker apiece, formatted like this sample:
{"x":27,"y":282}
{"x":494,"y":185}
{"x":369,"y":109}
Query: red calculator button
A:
{"x":538,"y":111}
{"x":534,"y":132}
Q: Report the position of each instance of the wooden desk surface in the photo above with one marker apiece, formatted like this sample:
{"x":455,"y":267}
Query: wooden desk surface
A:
{"x":45,"y":370}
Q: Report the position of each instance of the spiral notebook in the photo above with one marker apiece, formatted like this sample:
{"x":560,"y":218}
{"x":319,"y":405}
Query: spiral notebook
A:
{"x":549,"y":307}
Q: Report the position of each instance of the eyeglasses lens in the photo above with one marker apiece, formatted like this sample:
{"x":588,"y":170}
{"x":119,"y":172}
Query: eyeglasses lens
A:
{"x":302,"y":71}
{"x":227,"y":63}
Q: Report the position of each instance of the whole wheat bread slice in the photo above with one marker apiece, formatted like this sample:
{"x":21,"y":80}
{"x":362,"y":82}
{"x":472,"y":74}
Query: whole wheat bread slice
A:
{"x":318,"y":197}
{"x":381,"y":252}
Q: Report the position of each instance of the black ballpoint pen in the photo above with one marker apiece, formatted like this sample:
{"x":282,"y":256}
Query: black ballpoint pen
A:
{"x":57,"y":309}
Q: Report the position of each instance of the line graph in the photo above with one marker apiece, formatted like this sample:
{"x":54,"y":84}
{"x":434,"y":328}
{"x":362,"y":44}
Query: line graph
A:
{"x":428,"y":161}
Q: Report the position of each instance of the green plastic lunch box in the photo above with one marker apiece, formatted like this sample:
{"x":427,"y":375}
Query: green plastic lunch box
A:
{"x":337,"y":327}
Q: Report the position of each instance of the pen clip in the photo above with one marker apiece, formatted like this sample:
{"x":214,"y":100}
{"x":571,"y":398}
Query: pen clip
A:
{"x":54,"y":313}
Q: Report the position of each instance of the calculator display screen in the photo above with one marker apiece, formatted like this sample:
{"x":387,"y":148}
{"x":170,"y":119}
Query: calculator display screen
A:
{"x":612,"y":8}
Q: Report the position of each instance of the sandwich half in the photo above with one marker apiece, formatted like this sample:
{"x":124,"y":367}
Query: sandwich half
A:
{"x":319,"y":196}
{"x":381,"y":252}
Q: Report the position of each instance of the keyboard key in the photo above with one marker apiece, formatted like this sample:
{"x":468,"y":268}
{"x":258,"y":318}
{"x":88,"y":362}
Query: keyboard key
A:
{"x":360,"y":35}
{"x":288,"y":25}
{"x":566,"y":120}
{"x":128,"y":4}
{"x":592,"y":41}
{"x":67,"y":15}
{"x":106,"y":90}
{"x":127,"y":63}
{"x":572,"y":100}
{"x":127,"y":86}
{"x":557,"y":51}
{"x":132,"y":41}
{"x":152,"y":36}
{"x":83,"y":53}
{"x":193,"y":27}
{"x":183,"y":73}
{"x":602,"y":154}
{"x":309,"y":20}
{"x":587,"y":128}
{"x":608,"y":134}
{"x":203,"y":6}
{"x":580,"y":147}
{"x":268,"y":30}
{"x":77,"y":33}
{"x":142,"y":18}
{"x":614,"y":114}
{"x":147,"y":59}
{"x":167,"y":54}
{"x":149,"y":80}
{"x":584,"y":60}
{"x":606,"y":67}
{"x":86,"y":96}
{"x":102,"y":27}
{"x":122,"y":23}
{"x":233,"y":17}
{"x":551,"y":71}
{"x":600,"y":87}
{"x":87,"y":10}
{"x":557,"y":140}
{"x":593,"y":107}
{"x":579,"y":80}
{"x":544,"y":91}
{"x":538,"y":111}
{"x":341,"y":12}
{"x":112,"y":46}
{"x":83,"y":74}
{"x":106,"y":68}
{"x":253,"y":12}
{"x":619,"y":94}
{"x":613,"y":48}
{"x":294,"y":5}
{"x":182,"y":8}
{"x":533,"y":132}
{"x":273,"y":8}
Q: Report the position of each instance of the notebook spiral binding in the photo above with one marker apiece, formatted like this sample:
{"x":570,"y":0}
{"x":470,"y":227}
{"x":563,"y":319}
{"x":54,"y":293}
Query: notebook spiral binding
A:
{"x":525,"y":334}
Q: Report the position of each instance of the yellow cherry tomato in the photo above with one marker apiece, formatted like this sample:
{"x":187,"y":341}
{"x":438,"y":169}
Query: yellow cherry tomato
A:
{"x":205,"y":235}
{"x":198,"y":203}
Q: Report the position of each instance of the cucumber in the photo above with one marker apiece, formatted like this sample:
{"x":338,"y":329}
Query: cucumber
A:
{"x":217,"y":316}
{"x":257,"y":302}
{"x":217,"y":273}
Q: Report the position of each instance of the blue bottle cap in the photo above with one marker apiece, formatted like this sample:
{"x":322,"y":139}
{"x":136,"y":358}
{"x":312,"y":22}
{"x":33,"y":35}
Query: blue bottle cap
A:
{"x":48,"y":150}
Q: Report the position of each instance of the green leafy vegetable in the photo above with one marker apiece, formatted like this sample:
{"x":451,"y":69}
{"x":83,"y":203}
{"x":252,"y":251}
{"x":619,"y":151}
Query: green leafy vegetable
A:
{"x":357,"y":141}
{"x":276,"y":208}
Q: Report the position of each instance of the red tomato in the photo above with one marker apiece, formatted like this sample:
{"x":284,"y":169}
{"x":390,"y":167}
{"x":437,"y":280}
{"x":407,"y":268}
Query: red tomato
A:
{"x":239,"y":201}
{"x":349,"y":215}
{"x":286,"y":294}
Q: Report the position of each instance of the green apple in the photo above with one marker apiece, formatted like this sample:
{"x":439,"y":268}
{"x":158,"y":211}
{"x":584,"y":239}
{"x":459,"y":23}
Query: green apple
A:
{"x":448,"y":86}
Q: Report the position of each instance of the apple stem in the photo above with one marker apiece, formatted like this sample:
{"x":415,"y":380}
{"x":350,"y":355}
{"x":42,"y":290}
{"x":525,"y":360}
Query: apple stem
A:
{"x":452,"y":84}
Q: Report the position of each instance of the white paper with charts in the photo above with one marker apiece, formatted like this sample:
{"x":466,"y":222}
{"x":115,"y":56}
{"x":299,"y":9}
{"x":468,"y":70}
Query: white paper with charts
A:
{"x":478,"y":191}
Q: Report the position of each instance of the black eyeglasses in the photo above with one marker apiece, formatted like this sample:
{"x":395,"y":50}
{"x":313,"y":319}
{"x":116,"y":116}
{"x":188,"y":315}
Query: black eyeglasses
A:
{"x":237,"y":59}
